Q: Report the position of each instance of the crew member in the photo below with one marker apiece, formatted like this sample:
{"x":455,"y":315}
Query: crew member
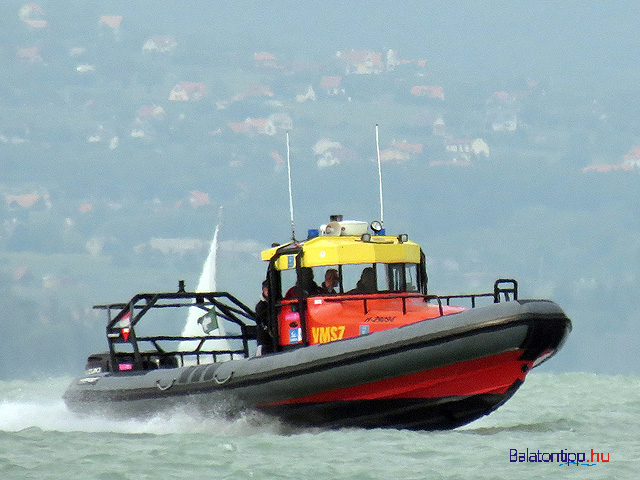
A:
{"x":265,"y":340}
{"x":331,"y":278}
{"x":306,"y":281}
{"x":367,"y":282}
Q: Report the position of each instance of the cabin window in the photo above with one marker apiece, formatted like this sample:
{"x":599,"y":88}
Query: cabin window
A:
{"x":288,"y":279}
{"x":411,"y":277}
{"x":381,"y":277}
{"x":394,"y":276}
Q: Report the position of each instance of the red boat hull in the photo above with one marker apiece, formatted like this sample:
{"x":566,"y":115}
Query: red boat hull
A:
{"x":443,"y":397}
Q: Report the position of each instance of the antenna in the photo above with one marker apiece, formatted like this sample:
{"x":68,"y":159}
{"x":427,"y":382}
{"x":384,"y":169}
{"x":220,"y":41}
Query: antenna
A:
{"x":379,"y":176}
{"x":293,"y":230}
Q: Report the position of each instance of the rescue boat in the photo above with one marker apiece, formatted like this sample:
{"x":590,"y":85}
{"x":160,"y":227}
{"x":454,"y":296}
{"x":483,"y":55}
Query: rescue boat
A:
{"x":371,"y":348}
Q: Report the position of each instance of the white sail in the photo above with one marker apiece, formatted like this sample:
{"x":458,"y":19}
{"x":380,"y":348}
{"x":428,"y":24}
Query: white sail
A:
{"x":206,"y":283}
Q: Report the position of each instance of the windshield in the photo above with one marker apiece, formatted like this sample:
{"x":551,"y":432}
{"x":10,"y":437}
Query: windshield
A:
{"x":354,"y":279}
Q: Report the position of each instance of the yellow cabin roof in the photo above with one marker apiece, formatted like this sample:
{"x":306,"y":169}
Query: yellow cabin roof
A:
{"x":343,"y":250}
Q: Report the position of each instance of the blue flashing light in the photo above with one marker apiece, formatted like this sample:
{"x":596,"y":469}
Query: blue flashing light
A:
{"x":382,"y":231}
{"x":313,"y":233}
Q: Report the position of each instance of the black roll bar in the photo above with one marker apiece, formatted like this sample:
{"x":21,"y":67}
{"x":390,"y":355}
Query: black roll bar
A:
{"x":120,"y":329}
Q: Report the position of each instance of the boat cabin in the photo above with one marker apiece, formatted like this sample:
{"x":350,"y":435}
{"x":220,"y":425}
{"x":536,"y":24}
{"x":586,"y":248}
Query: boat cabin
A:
{"x":375,"y":282}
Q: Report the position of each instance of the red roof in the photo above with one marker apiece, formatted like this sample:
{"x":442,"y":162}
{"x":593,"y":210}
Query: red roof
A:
{"x":633,"y":154}
{"x":408,"y":147}
{"x":277,"y":157}
{"x":257,"y":123}
{"x":250,"y":125}
{"x":34,"y":7}
{"x":357,"y":57}
{"x":198,"y":199}
{"x":111,"y":21}
{"x":25,"y":200}
{"x":428,"y":91}
{"x":607,"y":168}
{"x":264,"y":57}
{"x":31,"y":53}
{"x":238,"y":127}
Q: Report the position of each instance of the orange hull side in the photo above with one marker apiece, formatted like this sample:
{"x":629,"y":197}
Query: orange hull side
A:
{"x":332,"y":318}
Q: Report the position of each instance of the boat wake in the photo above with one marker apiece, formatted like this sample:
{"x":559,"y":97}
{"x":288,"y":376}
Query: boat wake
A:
{"x":25,"y":406}
{"x":533,"y":427}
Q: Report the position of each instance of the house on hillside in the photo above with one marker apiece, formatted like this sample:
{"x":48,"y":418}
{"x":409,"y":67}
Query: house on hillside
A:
{"x":428,"y":91}
{"x":110,"y":23}
{"x":188,"y":91}
{"x":501,"y":98}
{"x":502,"y":112}
{"x":85,"y":68}
{"x":465,"y":150}
{"x":400,"y":152}
{"x":148,"y":116}
{"x":329,"y":153}
{"x":331,"y":85}
{"x":603,"y":168}
{"x":392,"y":60}
{"x":152,"y":112}
{"x":265,"y":60}
{"x":505,"y":122}
{"x":394,"y":155}
{"x":144,"y":124}
{"x":310,"y":95}
{"x":281,"y":121}
{"x":410,"y":148}
{"x":33,"y":15}
{"x":253,"y":91}
{"x":431,"y":120}
{"x":632,"y":157}
{"x":198,"y":199}
{"x":276,"y":157}
{"x":361,"y":62}
{"x":165,"y":44}
{"x":29,"y":55}
{"x":27,"y":200}
{"x":77,"y":51}
{"x":259,"y":91}
{"x":254,"y":126}
{"x":104,"y":134}
{"x":631,"y":162}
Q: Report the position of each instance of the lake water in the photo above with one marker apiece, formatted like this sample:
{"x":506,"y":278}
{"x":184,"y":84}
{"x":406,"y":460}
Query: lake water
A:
{"x":567,"y":415}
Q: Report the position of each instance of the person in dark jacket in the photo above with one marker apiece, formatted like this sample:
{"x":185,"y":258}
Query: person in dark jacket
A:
{"x":367,"y":282}
{"x":265,"y":340}
{"x":309,"y":286}
{"x":330,"y":283}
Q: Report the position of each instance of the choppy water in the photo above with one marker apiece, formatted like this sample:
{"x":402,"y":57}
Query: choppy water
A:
{"x":574,"y":413}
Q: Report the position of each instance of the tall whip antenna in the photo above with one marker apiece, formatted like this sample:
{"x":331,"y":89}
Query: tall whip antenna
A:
{"x":379,"y":176}
{"x":293,"y":230}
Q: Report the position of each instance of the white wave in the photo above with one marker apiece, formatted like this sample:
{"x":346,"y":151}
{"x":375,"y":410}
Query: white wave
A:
{"x":39,"y":404}
{"x":53,"y":415}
